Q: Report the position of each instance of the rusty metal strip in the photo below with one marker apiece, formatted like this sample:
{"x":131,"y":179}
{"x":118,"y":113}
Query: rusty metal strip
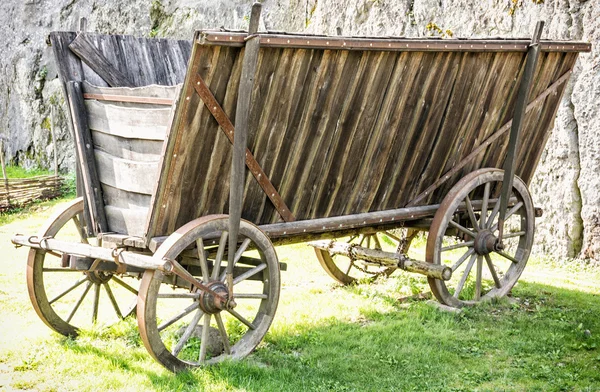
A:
{"x":394,"y":44}
{"x":126,"y":98}
{"x":487,"y":142}
{"x":227,"y":127}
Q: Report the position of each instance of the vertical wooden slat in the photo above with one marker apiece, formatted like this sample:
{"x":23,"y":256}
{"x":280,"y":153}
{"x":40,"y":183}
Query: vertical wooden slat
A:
{"x":85,"y":159}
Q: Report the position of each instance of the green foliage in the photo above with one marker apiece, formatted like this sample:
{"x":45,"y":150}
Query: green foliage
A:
{"x":436,"y":30}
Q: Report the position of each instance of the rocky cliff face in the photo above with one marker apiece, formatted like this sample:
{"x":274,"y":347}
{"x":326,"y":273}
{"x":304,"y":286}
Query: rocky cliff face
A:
{"x":566,"y":183}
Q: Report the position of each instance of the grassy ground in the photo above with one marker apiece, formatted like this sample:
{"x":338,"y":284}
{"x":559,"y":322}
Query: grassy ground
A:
{"x":369,"y":337}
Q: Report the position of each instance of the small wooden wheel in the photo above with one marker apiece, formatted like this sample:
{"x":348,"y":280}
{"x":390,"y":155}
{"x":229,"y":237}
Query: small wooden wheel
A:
{"x":170,"y":310}
{"x":463,"y":236}
{"x":347,"y":271}
{"x":67,"y":299}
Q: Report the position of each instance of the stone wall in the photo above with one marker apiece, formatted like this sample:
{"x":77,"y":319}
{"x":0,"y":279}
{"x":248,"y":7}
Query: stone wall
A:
{"x":565,"y":185}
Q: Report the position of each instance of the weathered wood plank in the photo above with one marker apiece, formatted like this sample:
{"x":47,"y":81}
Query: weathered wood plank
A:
{"x":130,"y":221}
{"x":124,"y":199}
{"x":85,"y":159}
{"x":128,"y":122}
{"x":139,"y":150}
{"x":89,"y":54}
{"x":125,"y":174}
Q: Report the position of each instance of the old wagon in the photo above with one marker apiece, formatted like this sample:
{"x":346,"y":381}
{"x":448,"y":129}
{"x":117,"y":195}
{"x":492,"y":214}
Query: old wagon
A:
{"x":352,"y":143}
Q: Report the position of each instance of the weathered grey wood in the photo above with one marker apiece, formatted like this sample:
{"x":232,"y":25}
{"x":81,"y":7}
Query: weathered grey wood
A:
{"x":382,"y":258}
{"x":125,"y":174}
{"x":139,"y":150}
{"x":131,"y":221}
{"x":128,"y":122}
{"x":89,"y":54}
{"x":124,"y":199}
{"x":85,"y":159}
{"x":133,"y":259}
{"x":152,"y":91}
{"x":113,"y":240}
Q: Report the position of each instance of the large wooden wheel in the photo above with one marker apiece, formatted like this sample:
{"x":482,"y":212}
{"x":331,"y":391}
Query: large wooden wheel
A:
{"x":347,"y":271}
{"x":180,"y":324}
{"x":68,"y":299}
{"x":463,"y":236}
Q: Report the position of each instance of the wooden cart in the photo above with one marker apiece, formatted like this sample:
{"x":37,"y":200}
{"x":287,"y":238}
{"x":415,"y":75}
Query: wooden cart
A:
{"x":366,"y":140}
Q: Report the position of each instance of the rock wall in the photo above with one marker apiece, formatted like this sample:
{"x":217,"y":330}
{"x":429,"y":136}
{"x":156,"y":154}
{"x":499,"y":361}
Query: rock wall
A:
{"x":565,"y":185}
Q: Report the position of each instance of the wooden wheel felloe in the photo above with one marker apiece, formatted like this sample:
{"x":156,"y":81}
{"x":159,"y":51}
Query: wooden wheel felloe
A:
{"x":180,"y":324}
{"x":347,"y":271}
{"x":68,"y":299}
{"x":463,"y":236}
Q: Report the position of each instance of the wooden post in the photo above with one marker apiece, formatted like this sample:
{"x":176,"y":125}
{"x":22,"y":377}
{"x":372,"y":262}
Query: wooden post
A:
{"x":4,"y":171}
{"x":53,"y":134}
{"x":86,"y":161}
{"x":236,"y":193}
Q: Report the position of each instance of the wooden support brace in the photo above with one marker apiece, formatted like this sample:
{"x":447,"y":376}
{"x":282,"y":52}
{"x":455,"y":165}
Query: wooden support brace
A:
{"x":227,"y":127}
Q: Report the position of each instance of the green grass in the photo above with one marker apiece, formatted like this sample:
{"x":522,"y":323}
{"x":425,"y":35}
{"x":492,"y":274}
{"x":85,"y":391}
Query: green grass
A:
{"x":19,"y":172}
{"x":368,"y":337}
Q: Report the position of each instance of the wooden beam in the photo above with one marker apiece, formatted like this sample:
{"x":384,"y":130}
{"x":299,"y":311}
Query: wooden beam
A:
{"x":85,"y":158}
{"x":89,"y":54}
{"x":125,"y":98}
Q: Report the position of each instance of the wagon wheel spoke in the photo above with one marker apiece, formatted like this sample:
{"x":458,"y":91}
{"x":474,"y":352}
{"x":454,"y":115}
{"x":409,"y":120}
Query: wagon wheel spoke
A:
{"x":187,"y":333}
{"x":112,"y":299}
{"x":484,"y":206}
{"x":352,"y":239}
{"x":462,"y":259}
{"x":79,"y":301}
{"x":478,"y":278}
{"x":495,"y":211}
{"x":79,"y":226}
{"x":462,"y":229}
{"x":350,"y":265}
{"x":204,"y":341}
{"x":392,"y":236}
{"x":238,"y":255}
{"x":458,"y":246}
{"x":179,"y":316}
{"x":219,"y":258}
{"x":377,"y":243}
{"x":251,"y":296}
{"x":223,"y":332}
{"x":202,"y":258}
{"x":471,"y":213}
{"x":508,"y":215}
{"x":507,"y":256}
{"x":124,"y":285}
{"x":515,"y":234}
{"x":249,"y":273}
{"x":241,"y":318}
{"x":465,"y":275}
{"x":492,"y":269}
{"x":96,"y":302}
{"x":68,"y":290}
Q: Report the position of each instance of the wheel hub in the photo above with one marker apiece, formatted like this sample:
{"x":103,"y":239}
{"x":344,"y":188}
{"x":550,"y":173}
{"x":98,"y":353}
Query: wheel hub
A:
{"x":211,"y":304}
{"x":486,"y":242}
{"x":98,"y":277}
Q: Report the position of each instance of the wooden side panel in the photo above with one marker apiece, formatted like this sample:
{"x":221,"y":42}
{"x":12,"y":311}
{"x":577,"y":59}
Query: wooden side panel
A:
{"x":345,"y":132}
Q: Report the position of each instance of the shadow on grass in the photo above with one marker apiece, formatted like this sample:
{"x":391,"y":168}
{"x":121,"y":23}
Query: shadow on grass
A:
{"x":548,"y":340}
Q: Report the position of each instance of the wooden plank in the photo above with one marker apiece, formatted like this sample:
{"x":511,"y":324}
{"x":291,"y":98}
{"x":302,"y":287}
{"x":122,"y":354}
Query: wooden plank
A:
{"x":163,"y":190}
{"x":124,"y":199}
{"x":125,"y":174}
{"x":151,"y":91}
{"x":130,"y":221}
{"x":89,"y":54}
{"x":227,"y":127}
{"x":128,"y":122}
{"x":140,"y":150}
{"x":85,"y":159}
